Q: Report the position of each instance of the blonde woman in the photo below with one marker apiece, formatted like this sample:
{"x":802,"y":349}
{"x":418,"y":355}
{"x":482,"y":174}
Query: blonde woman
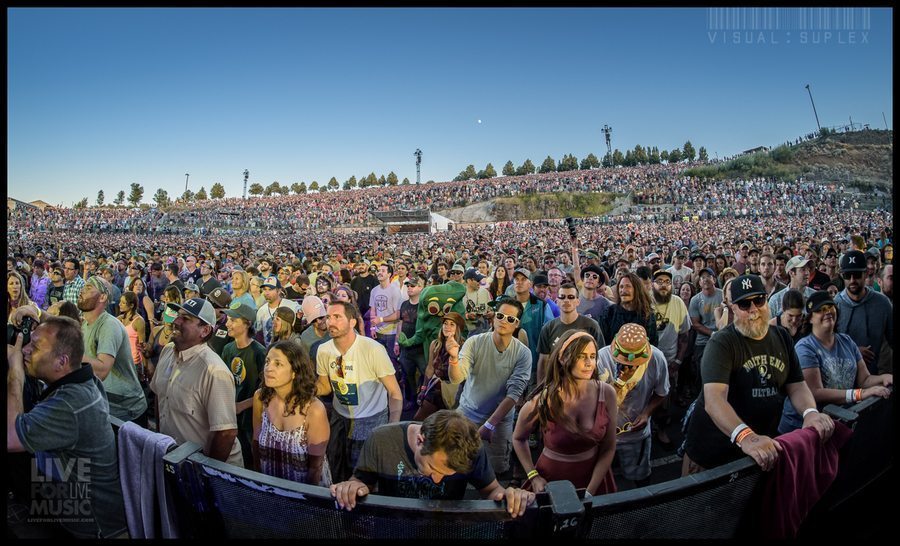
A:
{"x":240,"y":286}
{"x":15,"y":293}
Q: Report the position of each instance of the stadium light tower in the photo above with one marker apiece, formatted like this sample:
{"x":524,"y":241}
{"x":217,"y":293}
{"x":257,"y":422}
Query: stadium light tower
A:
{"x":246,"y":176}
{"x":814,"y":108}
{"x":418,"y":154}
{"x":186,"y":177}
{"x":607,"y":132}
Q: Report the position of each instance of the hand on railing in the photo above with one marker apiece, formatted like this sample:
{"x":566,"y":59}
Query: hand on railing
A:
{"x":346,"y":493}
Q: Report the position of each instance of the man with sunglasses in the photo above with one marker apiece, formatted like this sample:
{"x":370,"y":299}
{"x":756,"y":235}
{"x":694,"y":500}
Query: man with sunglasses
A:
{"x":748,"y":369}
{"x":798,"y":269}
{"x":314,"y":313}
{"x":569,"y":319}
{"x":57,"y":287}
{"x":863,"y":314}
{"x":496,"y":368}
{"x":593,"y":303}
{"x":638,"y":372}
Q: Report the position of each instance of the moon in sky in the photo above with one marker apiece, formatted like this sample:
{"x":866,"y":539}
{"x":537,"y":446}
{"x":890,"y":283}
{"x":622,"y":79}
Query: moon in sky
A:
{"x":479,"y":121}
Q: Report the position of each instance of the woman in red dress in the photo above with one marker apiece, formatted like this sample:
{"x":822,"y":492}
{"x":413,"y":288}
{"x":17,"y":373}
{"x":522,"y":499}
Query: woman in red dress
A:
{"x":574,"y":410}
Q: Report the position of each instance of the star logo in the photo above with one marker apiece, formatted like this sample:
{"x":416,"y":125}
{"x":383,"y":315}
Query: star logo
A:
{"x":746,"y":284}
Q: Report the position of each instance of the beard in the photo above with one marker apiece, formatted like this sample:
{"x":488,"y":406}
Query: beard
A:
{"x":755,"y":325}
{"x":660,"y":298}
{"x":88,"y":305}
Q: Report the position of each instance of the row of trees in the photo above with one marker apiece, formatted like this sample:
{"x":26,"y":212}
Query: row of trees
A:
{"x":217,"y":191}
{"x":301,"y":187}
{"x":639,"y":156}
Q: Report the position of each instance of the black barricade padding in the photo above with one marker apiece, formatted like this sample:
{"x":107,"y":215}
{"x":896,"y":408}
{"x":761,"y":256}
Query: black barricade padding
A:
{"x":219,"y":500}
{"x":238,"y":494}
{"x":567,"y":508}
{"x":710,"y":504}
{"x":190,"y":517}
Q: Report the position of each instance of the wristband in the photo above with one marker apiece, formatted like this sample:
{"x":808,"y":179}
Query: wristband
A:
{"x":737,"y":430}
{"x":489,"y":426}
{"x":849,"y":396}
{"x":808,"y":411}
{"x":858,"y":394}
{"x":531,"y":474}
{"x":743,"y":434}
{"x":453,"y":361}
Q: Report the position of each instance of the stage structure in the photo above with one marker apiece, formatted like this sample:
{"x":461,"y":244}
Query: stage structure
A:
{"x":411,"y":221}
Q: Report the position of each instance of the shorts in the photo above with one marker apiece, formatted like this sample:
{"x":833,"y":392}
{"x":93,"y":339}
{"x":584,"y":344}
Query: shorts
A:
{"x":634,"y":459}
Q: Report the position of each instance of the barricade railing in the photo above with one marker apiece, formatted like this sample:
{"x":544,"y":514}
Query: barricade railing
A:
{"x":219,"y":500}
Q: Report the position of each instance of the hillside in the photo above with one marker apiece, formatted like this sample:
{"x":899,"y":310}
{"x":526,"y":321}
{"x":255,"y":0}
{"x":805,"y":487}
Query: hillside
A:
{"x":535,"y":207}
{"x":862,"y":158}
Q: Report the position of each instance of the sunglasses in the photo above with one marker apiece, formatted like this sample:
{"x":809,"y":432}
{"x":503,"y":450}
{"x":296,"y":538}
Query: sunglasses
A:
{"x":852,"y":275}
{"x":591,"y":276}
{"x":339,"y":363}
{"x":508,"y":318}
{"x":56,"y":272}
{"x":662,"y":282}
{"x":624,"y":428}
{"x":758,"y":301}
{"x":568,"y":297}
{"x":827,"y":308}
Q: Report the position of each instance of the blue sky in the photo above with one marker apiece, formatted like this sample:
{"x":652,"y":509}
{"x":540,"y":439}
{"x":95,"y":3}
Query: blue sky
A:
{"x":100,"y":98}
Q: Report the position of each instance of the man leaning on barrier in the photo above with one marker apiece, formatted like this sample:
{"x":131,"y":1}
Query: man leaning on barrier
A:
{"x":76,"y":483}
{"x":748,"y":368}
{"x":434,"y":459}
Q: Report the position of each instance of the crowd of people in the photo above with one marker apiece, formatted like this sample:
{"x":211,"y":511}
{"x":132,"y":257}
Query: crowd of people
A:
{"x":526,"y":352}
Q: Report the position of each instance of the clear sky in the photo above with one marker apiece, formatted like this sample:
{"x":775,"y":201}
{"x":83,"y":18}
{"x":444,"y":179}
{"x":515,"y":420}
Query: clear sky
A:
{"x":100,"y":98}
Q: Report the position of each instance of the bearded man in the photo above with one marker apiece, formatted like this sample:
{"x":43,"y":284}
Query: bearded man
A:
{"x":748,"y":368}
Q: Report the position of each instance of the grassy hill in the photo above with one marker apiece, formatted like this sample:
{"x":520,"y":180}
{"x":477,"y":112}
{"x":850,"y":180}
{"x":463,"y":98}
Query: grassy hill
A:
{"x":863,"y":159}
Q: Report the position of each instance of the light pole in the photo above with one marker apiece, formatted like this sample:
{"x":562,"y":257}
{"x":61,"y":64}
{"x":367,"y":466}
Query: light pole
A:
{"x":246,"y":176}
{"x":814,"y":108}
{"x":186,"y":177}
{"x":418,"y":154}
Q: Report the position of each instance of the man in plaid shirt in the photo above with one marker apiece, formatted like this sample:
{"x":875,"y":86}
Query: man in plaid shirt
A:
{"x":74,"y":282}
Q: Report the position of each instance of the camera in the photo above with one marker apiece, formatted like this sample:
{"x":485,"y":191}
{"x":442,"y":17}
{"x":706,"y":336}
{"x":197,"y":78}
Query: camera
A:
{"x":26,"y":328}
{"x":570,"y":223}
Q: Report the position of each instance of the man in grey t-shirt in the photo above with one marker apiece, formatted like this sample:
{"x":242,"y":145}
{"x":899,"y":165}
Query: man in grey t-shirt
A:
{"x":703,"y":320}
{"x":107,"y":350}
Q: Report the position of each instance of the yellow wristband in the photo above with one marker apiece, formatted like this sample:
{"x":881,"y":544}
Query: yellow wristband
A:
{"x":532,"y":473}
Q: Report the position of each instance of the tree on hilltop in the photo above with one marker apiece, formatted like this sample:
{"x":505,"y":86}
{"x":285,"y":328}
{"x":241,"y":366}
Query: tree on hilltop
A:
{"x":137,"y":193}
{"x":217,"y":191}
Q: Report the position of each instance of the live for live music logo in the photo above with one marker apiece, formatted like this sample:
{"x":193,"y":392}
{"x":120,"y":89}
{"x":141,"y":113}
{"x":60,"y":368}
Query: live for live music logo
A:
{"x":60,"y":490}
{"x":786,"y":26}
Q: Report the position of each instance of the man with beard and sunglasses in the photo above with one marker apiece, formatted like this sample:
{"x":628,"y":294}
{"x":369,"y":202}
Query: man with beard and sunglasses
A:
{"x":863,"y":314}
{"x":748,"y":368}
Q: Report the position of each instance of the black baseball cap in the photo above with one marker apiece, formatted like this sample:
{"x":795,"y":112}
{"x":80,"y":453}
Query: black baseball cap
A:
{"x":853,"y":261}
{"x":747,"y":286}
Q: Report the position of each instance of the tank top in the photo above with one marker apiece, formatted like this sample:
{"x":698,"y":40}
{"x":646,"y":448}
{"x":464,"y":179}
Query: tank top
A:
{"x":560,"y":440}
{"x":284,"y":454}
{"x":132,"y":341}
